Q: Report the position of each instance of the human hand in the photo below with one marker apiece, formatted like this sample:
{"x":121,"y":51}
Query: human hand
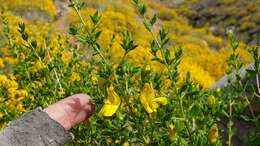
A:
{"x":71,"y":110}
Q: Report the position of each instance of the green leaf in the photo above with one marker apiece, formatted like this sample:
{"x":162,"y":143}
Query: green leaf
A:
{"x":163,"y":34}
{"x":25,"y":36}
{"x":167,"y":56}
{"x":135,"y":70}
{"x":80,"y":5}
{"x":164,"y":42}
{"x":136,"y":1}
{"x":148,"y":26}
{"x":34,"y":44}
{"x":142,"y":9}
{"x":251,"y":72}
{"x":73,"y":30}
{"x":71,"y":5}
{"x":158,"y":60}
{"x":95,"y":18}
{"x":21,"y":27}
{"x":153,"y":20}
{"x":195,"y":111}
{"x":128,"y":42}
{"x":97,"y":34}
{"x":154,"y":47}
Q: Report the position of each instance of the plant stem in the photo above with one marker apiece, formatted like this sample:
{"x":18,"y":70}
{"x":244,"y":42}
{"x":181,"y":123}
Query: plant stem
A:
{"x":126,"y":95}
{"x":230,"y":134}
{"x":257,"y":83}
{"x":185,"y":120}
{"x":152,"y":130}
{"x":158,"y":44}
{"x":92,"y":45}
{"x":80,"y":17}
{"x":55,"y":72}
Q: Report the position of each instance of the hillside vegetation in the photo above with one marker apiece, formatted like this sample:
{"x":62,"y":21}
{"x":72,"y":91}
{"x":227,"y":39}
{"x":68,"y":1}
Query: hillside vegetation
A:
{"x":202,"y":49}
{"x":148,"y":65}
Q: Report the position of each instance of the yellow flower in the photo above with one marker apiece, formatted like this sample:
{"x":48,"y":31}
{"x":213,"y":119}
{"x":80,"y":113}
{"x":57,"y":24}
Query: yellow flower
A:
{"x":112,"y":103}
{"x":159,"y":54}
{"x":125,"y":144}
{"x":167,"y":83}
{"x":3,"y":125}
{"x":211,"y":100}
{"x":94,"y":79}
{"x":1,"y":115}
{"x":20,"y":108}
{"x":3,"y":80}
{"x":66,"y":57}
{"x":114,"y":78}
{"x":148,"y":99}
{"x":12,"y":84}
{"x":13,"y":78}
{"x":75,"y":77}
{"x":172,"y":132}
{"x":61,"y":92}
{"x":2,"y":65}
{"x":213,"y":134}
{"x":37,"y":66}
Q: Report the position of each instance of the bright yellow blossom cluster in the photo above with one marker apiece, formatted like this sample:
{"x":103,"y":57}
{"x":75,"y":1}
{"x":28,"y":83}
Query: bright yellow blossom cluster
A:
{"x":46,"y":6}
{"x":200,"y":47}
{"x":75,"y":77}
{"x":11,"y":97}
{"x":198,"y":44}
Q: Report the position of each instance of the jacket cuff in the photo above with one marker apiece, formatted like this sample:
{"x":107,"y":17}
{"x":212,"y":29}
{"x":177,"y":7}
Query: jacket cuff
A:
{"x":37,"y":128}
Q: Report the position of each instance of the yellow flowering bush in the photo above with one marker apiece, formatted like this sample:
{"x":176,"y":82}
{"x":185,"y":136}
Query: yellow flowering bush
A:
{"x":46,"y":6}
{"x":148,"y":80}
{"x":13,"y":99}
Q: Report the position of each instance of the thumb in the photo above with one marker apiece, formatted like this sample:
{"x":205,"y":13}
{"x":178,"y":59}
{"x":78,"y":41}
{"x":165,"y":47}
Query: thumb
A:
{"x":71,"y":110}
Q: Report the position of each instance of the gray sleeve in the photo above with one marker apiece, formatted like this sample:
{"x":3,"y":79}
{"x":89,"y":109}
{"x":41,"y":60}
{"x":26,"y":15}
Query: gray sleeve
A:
{"x":35,"y":128}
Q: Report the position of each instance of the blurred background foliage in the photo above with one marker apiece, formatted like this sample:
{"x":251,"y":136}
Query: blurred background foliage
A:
{"x":204,"y":50}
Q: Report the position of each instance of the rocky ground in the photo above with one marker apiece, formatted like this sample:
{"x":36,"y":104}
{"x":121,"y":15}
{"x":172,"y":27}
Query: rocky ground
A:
{"x":243,"y":16}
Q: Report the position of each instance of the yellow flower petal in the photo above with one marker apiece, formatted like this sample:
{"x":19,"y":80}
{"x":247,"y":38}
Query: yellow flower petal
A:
{"x":112,"y":96}
{"x":147,"y":94}
{"x":161,"y":100}
{"x":154,"y":105}
{"x":112,"y":103}
{"x":148,"y":100}
{"x":145,"y":104}
{"x":108,"y":110}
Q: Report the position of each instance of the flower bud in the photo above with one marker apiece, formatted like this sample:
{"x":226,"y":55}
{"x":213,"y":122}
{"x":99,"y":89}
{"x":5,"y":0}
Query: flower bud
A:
{"x":172,"y":132}
{"x":211,"y":100}
{"x":218,"y":90}
{"x":213,"y":134}
{"x":125,"y":144}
